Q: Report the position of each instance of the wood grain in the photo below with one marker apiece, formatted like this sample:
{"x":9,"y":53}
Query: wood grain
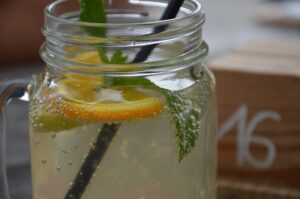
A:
{"x":234,"y":189}
{"x":261,"y":75}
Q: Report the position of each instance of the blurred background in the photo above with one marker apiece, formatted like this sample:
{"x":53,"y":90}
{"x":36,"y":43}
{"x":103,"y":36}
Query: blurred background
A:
{"x":255,"y":55}
{"x":228,"y":25}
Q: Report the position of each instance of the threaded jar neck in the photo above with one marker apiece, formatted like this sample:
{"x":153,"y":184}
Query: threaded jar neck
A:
{"x":130,"y":28}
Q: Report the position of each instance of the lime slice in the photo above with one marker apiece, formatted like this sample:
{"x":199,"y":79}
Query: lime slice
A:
{"x":44,"y":122}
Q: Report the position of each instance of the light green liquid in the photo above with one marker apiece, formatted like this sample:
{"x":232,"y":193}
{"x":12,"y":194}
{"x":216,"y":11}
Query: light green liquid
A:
{"x":141,"y":162}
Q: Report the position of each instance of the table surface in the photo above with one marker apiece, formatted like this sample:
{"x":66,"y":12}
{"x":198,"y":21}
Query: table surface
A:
{"x":228,"y":25}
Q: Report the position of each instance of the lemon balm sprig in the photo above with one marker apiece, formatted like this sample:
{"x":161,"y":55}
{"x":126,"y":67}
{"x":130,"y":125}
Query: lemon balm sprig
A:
{"x":93,"y":11}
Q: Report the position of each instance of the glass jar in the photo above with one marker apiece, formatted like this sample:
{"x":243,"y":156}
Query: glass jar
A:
{"x":128,"y":114}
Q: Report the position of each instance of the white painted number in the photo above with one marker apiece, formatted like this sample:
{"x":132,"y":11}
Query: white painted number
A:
{"x":245,"y":136}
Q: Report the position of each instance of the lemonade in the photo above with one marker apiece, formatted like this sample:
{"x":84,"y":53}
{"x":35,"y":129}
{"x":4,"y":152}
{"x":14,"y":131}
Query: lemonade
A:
{"x":125,"y":108}
{"x":142,"y":159}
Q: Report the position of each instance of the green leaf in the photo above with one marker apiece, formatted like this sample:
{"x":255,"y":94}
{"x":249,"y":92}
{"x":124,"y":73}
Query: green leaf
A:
{"x":184,"y":114}
{"x":93,"y":11}
{"x":118,"y":57}
{"x":186,"y":119}
{"x":102,"y":55}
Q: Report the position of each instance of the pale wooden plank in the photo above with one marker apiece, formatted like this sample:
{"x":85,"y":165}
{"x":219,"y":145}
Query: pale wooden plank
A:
{"x":272,"y":48}
{"x":257,"y":64}
{"x":229,"y":188}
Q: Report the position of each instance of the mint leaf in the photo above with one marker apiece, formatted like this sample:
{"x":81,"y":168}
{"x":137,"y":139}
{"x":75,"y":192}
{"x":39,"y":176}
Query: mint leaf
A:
{"x":118,"y":57}
{"x":184,"y":114}
{"x":93,"y":11}
{"x":186,"y":119}
{"x":102,"y":55}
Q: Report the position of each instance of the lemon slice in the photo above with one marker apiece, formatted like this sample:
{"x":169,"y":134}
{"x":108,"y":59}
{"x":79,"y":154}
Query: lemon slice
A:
{"x":82,"y":97}
{"x":90,"y":57}
{"x":87,"y":102}
{"x":80,"y":88}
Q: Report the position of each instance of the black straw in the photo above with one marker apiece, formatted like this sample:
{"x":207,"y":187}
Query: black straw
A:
{"x":170,"y":13}
{"x":92,"y":161}
{"x":108,"y":131}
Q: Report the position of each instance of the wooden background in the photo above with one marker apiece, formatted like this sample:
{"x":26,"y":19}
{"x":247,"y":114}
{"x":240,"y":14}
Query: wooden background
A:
{"x":259,"y":89}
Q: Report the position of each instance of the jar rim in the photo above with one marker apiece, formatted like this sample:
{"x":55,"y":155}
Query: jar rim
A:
{"x":59,"y":32}
{"x":197,"y":10}
{"x":146,"y":68}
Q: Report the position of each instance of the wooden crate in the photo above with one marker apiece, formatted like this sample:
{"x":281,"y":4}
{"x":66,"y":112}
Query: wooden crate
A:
{"x":258,"y":87}
{"x":232,"y":189}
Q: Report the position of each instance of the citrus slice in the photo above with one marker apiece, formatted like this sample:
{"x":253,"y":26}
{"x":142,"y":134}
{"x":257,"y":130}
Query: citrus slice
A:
{"x":44,"y":122}
{"x":90,"y":57}
{"x":82,"y":96}
{"x":79,"y":87}
{"x":44,"y":115}
{"x":87,"y":101}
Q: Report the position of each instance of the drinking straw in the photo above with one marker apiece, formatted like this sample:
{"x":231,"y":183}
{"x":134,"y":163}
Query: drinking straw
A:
{"x":108,"y":131}
{"x":92,"y":161}
{"x":170,"y":13}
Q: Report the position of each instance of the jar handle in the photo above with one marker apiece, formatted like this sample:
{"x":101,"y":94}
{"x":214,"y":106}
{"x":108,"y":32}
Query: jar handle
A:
{"x":8,"y":90}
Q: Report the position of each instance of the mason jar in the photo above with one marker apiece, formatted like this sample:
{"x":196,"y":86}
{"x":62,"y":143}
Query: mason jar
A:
{"x":128,"y":113}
